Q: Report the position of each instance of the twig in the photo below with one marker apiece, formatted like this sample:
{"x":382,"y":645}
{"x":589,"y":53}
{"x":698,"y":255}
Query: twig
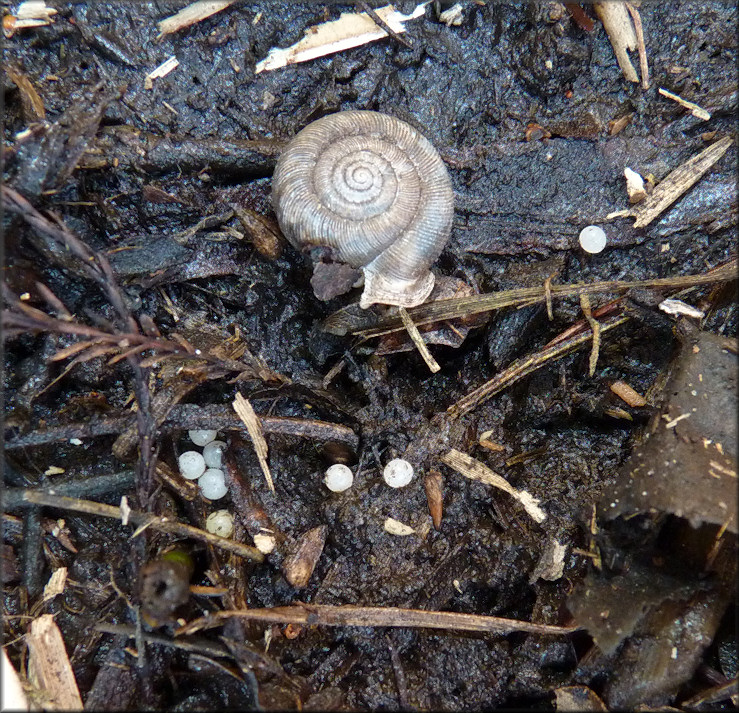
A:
{"x":697,"y":111}
{"x":640,"y":46}
{"x":78,"y":487}
{"x":349,"y":615}
{"x":22,"y":318}
{"x":595,"y":328}
{"x":185,"y":417}
{"x":399,"y":674}
{"x":202,"y":646}
{"x":440,"y":310}
{"x":670,"y":188}
{"x":525,"y":366}
{"x":417,"y":339}
{"x":155,"y":522}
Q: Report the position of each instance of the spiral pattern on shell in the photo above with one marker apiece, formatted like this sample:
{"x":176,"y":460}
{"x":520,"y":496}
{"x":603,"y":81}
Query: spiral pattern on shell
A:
{"x":373,"y":189}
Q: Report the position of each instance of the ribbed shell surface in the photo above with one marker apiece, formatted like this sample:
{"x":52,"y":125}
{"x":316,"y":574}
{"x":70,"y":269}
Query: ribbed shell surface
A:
{"x":373,"y":189}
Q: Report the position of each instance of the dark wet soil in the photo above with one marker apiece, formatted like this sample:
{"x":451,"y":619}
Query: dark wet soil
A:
{"x":131,"y":170}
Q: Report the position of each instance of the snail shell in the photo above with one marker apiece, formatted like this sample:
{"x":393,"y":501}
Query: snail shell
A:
{"x":376,"y":192}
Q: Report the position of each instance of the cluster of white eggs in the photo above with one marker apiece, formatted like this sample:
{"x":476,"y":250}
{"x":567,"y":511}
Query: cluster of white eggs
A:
{"x":397,"y":474}
{"x":205,"y":467}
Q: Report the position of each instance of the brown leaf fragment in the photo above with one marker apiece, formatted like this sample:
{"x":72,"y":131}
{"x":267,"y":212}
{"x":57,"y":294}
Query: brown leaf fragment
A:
{"x":264,"y":234}
{"x":583,"y":20}
{"x":48,"y":665}
{"x":616,"y":126}
{"x":153,"y":194}
{"x":686,"y":463}
{"x":299,"y":566}
{"x":434,"y":495}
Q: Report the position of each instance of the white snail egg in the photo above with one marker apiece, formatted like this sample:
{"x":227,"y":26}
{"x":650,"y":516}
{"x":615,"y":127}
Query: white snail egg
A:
{"x":221,"y":523}
{"x":338,"y":478}
{"x":213,"y":454}
{"x":192,"y":464}
{"x":593,"y":239}
{"x":202,"y":437}
{"x":398,"y":473}
{"x":213,"y":484}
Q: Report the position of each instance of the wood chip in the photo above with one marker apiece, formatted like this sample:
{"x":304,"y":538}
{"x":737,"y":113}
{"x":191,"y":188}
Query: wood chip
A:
{"x":191,"y":15}
{"x":551,"y":564}
{"x":395,"y":527}
{"x":13,"y":697}
{"x":48,"y":665}
{"x":253,"y":425}
{"x":161,"y":71}
{"x":675,"y":184}
{"x":627,"y":394}
{"x":125,"y":510}
{"x":33,"y":13}
{"x":616,"y":126}
{"x":474,"y":470}
{"x":452,"y":16}
{"x":56,"y":583}
{"x":350,"y":30}
{"x":678,"y":307}
{"x":695,"y":110}
{"x":634,"y":186}
{"x":265,"y":542}
{"x":299,"y":566}
{"x":485,"y":442}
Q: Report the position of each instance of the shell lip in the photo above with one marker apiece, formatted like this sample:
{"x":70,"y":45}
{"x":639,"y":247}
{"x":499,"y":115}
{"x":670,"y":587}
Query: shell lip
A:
{"x":379,"y":289}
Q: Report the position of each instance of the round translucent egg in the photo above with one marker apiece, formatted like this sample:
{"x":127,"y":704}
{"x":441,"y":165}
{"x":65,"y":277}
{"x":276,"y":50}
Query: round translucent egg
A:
{"x":202,"y":437}
{"x":221,"y":523}
{"x":213,"y":484}
{"x":398,"y":473}
{"x":338,"y":478}
{"x":593,"y":239}
{"x":192,"y":464}
{"x":213,"y":454}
